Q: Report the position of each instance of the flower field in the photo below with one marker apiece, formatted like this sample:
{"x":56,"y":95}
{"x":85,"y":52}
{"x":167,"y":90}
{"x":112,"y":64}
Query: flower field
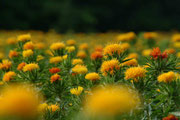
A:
{"x":103,"y":76}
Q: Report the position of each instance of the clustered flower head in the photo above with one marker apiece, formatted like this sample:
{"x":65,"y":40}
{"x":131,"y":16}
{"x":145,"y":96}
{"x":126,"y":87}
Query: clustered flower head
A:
{"x":27,"y":53}
{"x":21,"y":66}
{"x":55,"y":77}
{"x":156,"y":53}
{"x":81,"y":54}
{"x":96,"y":55}
{"x":167,"y":77}
{"x":9,"y":76}
{"x":80,"y":69}
{"x":30,"y":67}
{"x":57,"y":46}
{"x":150,"y":35}
{"x":92,"y":76}
{"x":54,"y":70}
{"x":70,"y":42}
{"x":13,"y":53}
{"x":56,"y":59}
{"x":110,"y":67}
{"x":28,"y":45}
{"x":6,"y":64}
{"x":77,"y":91}
{"x":131,"y":62}
{"x":135,"y":73}
{"x":126,"y":36}
{"x":83,"y":46}
{"x":70,"y":49}
{"x":111,"y":100}
{"x":24,"y":37}
{"x":77,"y":61}
{"x":170,"y":117}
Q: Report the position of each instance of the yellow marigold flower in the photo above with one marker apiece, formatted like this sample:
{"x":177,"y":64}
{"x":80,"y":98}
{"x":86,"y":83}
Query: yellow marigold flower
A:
{"x":111,"y":101}
{"x":80,"y":69}
{"x":13,"y":53}
{"x":39,"y":57}
{"x":92,"y":76}
{"x":20,"y":101}
{"x":81,"y":54}
{"x":125,"y":46}
{"x":70,"y":49}
{"x":24,"y":37}
{"x":133,"y":55}
{"x":146,"y":52}
{"x":57,"y":46}
{"x":110,"y":67}
{"x":77,"y":91}
{"x":53,"y":108}
{"x":6,"y":64}
{"x":167,"y":77}
{"x":135,"y":73}
{"x":40,"y":45}
{"x":9,"y":76}
{"x":56,"y":59}
{"x":176,"y":38}
{"x":27,"y":53}
{"x":70,"y":42}
{"x":77,"y":61}
{"x":113,"y":49}
{"x":65,"y":57}
{"x":1,"y":55}
{"x":132,"y":62}
{"x":170,"y":51}
{"x":177,"y":44}
{"x":55,"y":77}
{"x":42,"y":107}
{"x":83,"y":46}
{"x":126,"y":36}
{"x":30,"y":67}
{"x":150,"y":35}
{"x":48,"y":52}
{"x":11,"y":41}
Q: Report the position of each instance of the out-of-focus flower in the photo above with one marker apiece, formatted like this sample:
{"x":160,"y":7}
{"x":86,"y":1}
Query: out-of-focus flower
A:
{"x":76,"y":91}
{"x":70,"y":42}
{"x":42,"y":107}
{"x":19,"y":100}
{"x":70,"y":49}
{"x":13,"y":53}
{"x":39,"y":57}
{"x":126,"y":36}
{"x":135,"y":73}
{"x":146,"y":52}
{"x":177,"y":44}
{"x":80,"y":69}
{"x":9,"y":76}
{"x":178,"y":54}
{"x":98,"y":48}
{"x":1,"y":55}
{"x":40,"y":46}
{"x":83,"y":46}
{"x":170,"y":51}
{"x":110,"y":66}
{"x":21,"y":66}
{"x":56,"y":59}
{"x":77,"y":61}
{"x":92,"y":76}
{"x":111,"y":100}
{"x":49,"y":53}
{"x":176,"y":38}
{"x":28,"y":45}
{"x":65,"y":57}
{"x":55,"y":77}
{"x":53,"y":108}
{"x":96,"y":55}
{"x":132,"y":62}
{"x":156,"y":53}
{"x":133,"y":55}
{"x":11,"y":41}
{"x":167,"y":77}
{"x":54,"y":70}
{"x":170,"y":117}
{"x":57,"y":46}
{"x":150,"y":35}
{"x":27,"y":53}
{"x":81,"y":54}
{"x":113,"y":49}
{"x":6,"y":64}
{"x":125,"y":46}
{"x":30,"y":67}
{"x":23,"y":38}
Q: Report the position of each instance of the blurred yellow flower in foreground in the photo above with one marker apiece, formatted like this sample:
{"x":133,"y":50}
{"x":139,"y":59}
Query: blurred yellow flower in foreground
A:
{"x":70,"y":49}
{"x":81,"y":54}
{"x":70,"y":42}
{"x":20,"y":101}
{"x":83,"y":46}
{"x":77,"y":91}
{"x":111,"y":100}
{"x":167,"y":77}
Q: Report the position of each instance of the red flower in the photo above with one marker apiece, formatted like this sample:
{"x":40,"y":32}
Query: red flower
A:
{"x":54,"y":70}
{"x":156,"y":53}
{"x":164,"y":55}
{"x":170,"y":117}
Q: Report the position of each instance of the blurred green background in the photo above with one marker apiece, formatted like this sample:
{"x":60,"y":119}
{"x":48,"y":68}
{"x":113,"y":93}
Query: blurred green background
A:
{"x":90,"y":15}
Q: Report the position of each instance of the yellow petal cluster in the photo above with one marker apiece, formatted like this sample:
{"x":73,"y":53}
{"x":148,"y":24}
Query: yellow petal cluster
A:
{"x":167,"y":77}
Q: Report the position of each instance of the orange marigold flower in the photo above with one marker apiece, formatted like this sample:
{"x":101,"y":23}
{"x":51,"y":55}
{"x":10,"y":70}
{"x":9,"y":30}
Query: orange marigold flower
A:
{"x":170,"y":117}
{"x":96,"y":55}
{"x":55,"y":77}
{"x":28,"y":45}
{"x":81,"y":54}
{"x":54,"y":70}
{"x":110,"y":66}
{"x":13,"y":53}
{"x":99,"y":48}
{"x":170,"y":51}
{"x":150,"y":35}
{"x":83,"y":46}
{"x":21,"y":66}
{"x":70,"y":42}
{"x":53,"y":108}
{"x":9,"y":76}
{"x":135,"y":73}
{"x":6,"y":64}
